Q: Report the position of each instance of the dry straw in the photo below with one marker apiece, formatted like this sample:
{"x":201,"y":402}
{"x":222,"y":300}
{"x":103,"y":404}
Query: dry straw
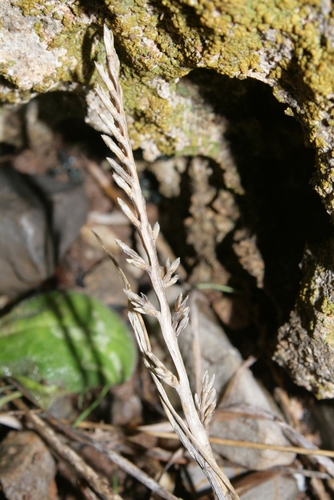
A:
{"x":199,"y":410}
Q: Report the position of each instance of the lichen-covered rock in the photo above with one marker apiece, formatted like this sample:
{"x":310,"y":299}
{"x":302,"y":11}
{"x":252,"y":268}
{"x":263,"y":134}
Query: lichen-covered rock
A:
{"x":316,"y":296}
{"x":306,"y":343}
{"x":309,"y":361}
{"x":41,"y":47}
{"x":287,"y":45}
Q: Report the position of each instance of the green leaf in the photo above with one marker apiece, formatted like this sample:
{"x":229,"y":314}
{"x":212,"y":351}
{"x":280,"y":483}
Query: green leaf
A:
{"x":65,"y":340}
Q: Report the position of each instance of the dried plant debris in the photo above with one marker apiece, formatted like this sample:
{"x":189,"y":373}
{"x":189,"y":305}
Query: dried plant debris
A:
{"x":192,"y":434}
{"x":219,"y":357}
{"x":168,"y":172}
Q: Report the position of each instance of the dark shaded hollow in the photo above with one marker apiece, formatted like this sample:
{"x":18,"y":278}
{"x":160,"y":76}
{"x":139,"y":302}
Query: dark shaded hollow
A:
{"x":279,"y":206}
{"x":64,"y":113}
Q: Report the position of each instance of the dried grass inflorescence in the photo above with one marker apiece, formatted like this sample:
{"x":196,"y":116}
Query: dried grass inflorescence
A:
{"x":197,"y":414}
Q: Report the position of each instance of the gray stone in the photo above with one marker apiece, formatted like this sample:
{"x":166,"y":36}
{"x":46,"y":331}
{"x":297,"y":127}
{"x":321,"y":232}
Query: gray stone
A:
{"x":26,"y":250}
{"x":39,"y":220}
{"x":276,"y":487}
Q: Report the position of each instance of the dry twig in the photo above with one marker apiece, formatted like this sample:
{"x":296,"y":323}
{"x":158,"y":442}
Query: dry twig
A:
{"x":114,"y":457}
{"x":97,"y":483}
{"x":245,"y":444}
{"x":192,"y":433}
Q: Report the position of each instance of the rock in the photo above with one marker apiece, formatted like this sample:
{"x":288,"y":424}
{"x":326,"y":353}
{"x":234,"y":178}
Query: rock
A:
{"x":69,"y":210}
{"x":35,"y":227}
{"x":306,"y":343}
{"x":27,"y":469}
{"x":104,"y":283}
{"x":254,"y":486}
{"x":308,"y":360}
{"x":32,"y":58}
{"x":26,"y":250}
{"x":272,"y":487}
{"x":219,"y":357}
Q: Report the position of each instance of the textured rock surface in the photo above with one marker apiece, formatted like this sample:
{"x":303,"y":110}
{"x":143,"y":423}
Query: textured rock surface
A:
{"x":276,"y":486}
{"x":288,"y":46}
{"x":306,"y":343}
{"x":41,"y":47}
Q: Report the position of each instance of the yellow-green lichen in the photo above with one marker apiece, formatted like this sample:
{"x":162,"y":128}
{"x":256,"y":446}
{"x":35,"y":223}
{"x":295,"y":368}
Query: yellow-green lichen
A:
{"x":38,"y":27}
{"x":28,"y":7}
{"x":83,"y":46}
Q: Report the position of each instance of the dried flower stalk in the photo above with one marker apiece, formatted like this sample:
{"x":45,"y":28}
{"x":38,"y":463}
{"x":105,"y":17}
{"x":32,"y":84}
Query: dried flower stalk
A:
{"x":192,"y":431}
